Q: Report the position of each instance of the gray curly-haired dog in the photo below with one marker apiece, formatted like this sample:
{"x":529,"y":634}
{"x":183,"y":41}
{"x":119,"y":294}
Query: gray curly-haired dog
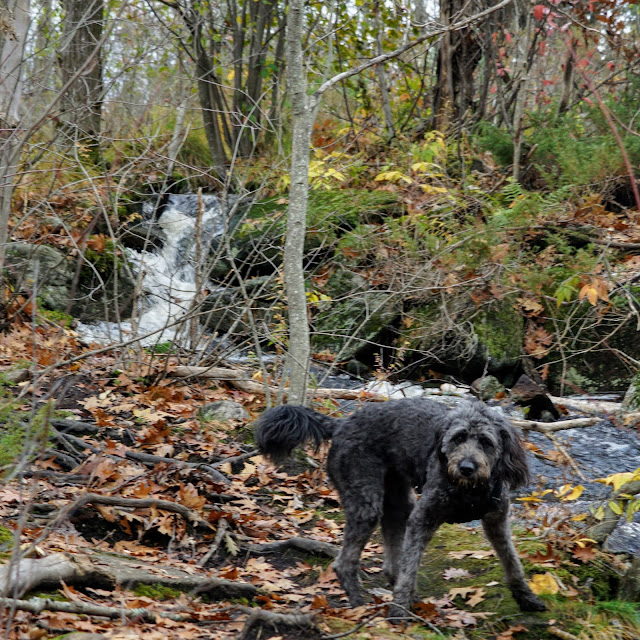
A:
{"x":464,"y":461}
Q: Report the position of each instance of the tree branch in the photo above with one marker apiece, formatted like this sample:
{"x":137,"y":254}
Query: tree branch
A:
{"x":325,"y":86}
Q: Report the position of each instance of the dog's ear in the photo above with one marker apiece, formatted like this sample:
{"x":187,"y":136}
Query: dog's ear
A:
{"x":512,"y":465}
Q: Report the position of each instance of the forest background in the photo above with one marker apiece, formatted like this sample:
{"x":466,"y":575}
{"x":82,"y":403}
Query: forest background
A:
{"x":424,"y":190}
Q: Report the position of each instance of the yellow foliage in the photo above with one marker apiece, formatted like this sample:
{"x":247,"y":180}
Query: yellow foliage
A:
{"x":544,"y":584}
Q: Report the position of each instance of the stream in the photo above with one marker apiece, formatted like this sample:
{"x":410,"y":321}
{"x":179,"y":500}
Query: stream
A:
{"x":168,"y":287}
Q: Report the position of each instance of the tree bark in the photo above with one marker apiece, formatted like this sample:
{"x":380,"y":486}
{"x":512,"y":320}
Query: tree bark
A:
{"x":82,"y":104}
{"x":15,"y":15}
{"x":299,"y":344}
{"x":382,"y":80}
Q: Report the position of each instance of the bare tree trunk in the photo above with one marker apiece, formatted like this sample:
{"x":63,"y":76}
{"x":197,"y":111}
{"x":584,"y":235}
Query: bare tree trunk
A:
{"x":382,"y":80}
{"x":82,"y":103}
{"x":299,"y":346}
{"x":567,"y":85}
{"x":15,"y":15}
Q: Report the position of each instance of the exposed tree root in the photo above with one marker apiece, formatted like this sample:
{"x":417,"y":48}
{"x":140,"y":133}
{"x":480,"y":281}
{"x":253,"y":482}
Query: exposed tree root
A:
{"x":106,"y":570}
{"x":132,"y":503}
{"x":144,"y":458}
{"x":301,"y":544}
{"x":277,"y":620}
{"x":38,"y":605}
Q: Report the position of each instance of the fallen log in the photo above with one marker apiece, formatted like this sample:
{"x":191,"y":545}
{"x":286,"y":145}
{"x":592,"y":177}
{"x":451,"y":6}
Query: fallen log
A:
{"x":597,"y":407}
{"x":251,"y":386}
{"x":213,"y":373}
{"x":550,"y":427}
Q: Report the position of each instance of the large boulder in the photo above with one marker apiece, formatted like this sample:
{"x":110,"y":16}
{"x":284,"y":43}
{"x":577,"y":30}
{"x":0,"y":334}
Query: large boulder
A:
{"x":351,"y":323}
{"x":49,"y":274}
{"x":452,"y":336}
{"x":42,"y":271}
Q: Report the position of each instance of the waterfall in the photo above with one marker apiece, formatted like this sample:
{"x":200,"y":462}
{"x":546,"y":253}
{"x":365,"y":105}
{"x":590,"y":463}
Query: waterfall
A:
{"x":168,"y":274}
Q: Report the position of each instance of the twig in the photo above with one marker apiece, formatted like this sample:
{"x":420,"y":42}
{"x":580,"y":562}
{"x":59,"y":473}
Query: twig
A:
{"x":560,"y":633}
{"x":147,"y":458}
{"x":222,"y":529}
{"x":238,"y":458}
{"x":565,"y":453}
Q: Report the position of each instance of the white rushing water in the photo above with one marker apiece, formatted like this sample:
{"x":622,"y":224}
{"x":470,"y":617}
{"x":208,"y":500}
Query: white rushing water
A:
{"x":168,"y":276}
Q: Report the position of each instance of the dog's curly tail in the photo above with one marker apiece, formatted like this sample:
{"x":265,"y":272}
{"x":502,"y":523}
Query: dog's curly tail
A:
{"x":281,"y":429}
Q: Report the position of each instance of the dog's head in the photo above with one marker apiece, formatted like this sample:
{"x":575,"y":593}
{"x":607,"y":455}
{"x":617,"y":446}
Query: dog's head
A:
{"x":477,"y":445}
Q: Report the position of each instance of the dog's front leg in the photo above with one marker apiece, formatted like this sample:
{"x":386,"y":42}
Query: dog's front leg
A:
{"x":497,"y":529}
{"x":422,"y":524}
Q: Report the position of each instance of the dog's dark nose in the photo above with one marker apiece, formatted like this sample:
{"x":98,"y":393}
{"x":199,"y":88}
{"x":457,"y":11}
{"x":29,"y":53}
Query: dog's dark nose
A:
{"x":467,"y":467}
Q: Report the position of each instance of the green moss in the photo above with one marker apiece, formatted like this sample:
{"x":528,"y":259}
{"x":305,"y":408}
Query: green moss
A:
{"x":156,"y":591}
{"x":57,"y":317}
{"x":500,"y":332}
{"x":17,"y":437}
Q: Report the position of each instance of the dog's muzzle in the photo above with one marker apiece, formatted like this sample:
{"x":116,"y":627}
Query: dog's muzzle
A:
{"x":467,"y":467}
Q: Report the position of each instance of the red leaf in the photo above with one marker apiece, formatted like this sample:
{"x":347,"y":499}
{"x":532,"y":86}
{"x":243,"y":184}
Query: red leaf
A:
{"x":539,"y":11}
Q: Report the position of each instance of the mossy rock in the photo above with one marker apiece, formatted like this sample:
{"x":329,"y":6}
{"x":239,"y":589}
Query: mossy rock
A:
{"x":259,"y":238}
{"x":355,"y":316}
{"x":453,"y":336}
{"x":631,"y":400}
{"x":42,"y":270}
{"x":500,"y":335}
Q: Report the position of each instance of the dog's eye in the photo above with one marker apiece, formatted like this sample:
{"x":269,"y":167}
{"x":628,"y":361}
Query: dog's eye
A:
{"x":459,"y":438}
{"x":486,"y":443}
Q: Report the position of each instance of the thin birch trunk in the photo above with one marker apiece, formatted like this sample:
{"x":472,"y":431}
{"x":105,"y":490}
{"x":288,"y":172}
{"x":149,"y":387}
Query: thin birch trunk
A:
{"x":382,"y":81}
{"x":299,"y":344}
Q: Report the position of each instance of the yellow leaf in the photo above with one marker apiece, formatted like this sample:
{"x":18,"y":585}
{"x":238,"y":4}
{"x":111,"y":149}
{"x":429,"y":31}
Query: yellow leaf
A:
{"x":574,"y":494}
{"x":616,"y":507}
{"x":580,"y":517}
{"x":617,"y":480}
{"x":544,"y":583}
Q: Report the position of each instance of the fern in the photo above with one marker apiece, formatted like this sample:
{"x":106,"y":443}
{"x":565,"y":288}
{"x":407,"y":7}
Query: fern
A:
{"x":512,"y":190}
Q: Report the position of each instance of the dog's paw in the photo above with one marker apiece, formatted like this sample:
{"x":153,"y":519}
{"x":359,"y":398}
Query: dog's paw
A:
{"x":530,"y":602}
{"x":397,"y":614}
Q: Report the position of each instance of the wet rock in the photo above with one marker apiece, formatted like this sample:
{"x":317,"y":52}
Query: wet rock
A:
{"x":487,"y":387}
{"x":631,"y":400}
{"x":222,"y":411}
{"x":528,"y":393}
{"x":145,"y":235}
{"x":625,"y":538}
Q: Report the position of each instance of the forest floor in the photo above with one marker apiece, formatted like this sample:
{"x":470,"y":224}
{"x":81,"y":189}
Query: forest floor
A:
{"x":137,"y":519}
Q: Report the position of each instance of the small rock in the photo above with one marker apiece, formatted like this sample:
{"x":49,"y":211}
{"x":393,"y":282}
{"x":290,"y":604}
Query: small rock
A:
{"x":222,"y":411}
{"x":448,"y":389}
{"x":487,"y":387}
{"x":14,"y":376}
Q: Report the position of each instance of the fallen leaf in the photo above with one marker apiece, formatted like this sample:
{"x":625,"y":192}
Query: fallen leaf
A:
{"x":544,"y":583}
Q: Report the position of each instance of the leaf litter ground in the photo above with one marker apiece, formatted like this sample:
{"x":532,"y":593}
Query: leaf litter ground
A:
{"x":138,"y":438}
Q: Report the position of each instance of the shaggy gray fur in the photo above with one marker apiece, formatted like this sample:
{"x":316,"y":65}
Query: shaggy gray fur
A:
{"x":463,"y":461}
